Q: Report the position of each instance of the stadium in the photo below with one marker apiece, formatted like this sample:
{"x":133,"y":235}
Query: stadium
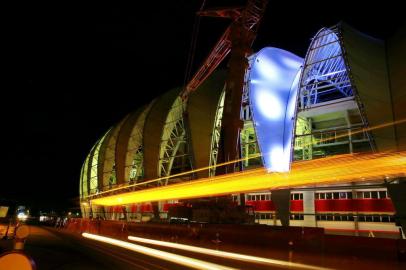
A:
{"x":292,"y":109}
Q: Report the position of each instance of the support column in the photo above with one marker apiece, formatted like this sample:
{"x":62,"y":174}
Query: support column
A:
{"x":309,"y":210}
{"x":397,"y":193}
{"x":347,"y":119}
{"x":281,"y":199}
{"x":155,"y":210}
{"x":356,"y":224}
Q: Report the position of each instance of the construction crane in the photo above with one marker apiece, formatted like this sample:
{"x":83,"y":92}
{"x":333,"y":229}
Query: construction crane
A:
{"x":236,"y":41}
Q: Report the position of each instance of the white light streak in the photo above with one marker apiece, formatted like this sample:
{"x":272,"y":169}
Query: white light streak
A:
{"x":224,"y":254}
{"x":174,"y":258}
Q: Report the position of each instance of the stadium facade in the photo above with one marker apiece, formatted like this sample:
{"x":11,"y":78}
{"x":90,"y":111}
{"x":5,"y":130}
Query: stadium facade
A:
{"x":347,"y":82}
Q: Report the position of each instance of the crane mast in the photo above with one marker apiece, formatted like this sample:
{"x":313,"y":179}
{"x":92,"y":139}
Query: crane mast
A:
{"x":236,"y":41}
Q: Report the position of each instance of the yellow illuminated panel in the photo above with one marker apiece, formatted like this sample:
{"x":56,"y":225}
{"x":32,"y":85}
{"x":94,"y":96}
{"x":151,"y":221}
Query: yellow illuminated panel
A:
{"x":331,"y":170}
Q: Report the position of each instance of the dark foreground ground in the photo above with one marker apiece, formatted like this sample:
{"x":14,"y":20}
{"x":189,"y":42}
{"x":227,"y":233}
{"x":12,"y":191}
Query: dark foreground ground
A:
{"x":58,"y":249}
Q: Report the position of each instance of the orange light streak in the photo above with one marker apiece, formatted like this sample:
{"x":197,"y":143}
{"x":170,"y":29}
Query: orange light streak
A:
{"x":239,"y":160}
{"x":332,"y":170}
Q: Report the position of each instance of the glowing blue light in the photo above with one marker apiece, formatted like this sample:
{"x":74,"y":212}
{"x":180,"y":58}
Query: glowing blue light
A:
{"x":272,"y":82}
{"x":269,"y":104}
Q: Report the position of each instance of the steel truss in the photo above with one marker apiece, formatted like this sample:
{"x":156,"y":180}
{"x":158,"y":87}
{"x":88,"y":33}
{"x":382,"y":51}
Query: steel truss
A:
{"x":248,"y":137}
{"x":215,"y":138}
{"x":174,"y":148}
{"x":134,"y":160}
{"x":325,"y":76}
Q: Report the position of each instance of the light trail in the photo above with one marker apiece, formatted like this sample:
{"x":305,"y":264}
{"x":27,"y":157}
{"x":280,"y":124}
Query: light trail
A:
{"x":228,"y":255}
{"x":174,"y":175}
{"x":171,"y":257}
{"x":126,"y":186}
{"x":332,"y":170}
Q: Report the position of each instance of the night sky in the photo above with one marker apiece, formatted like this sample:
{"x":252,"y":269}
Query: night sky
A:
{"x":73,"y":70}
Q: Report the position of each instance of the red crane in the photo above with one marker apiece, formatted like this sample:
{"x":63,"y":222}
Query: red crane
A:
{"x":243,"y":30}
{"x":236,"y":40}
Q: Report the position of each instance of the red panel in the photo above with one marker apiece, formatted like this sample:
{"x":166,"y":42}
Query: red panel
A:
{"x":118,"y":209}
{"x":146,"y":208}
{"x":296,"y":205}
{"x":354,"y":205}
{"x":166,"y":206}
{"x":134,"y":208}
{"x":342,"y":205}
{"x":374,"y":205}
{"x":262,"y":205}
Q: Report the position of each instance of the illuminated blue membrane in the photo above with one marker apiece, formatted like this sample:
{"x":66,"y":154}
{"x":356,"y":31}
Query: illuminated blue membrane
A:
{"x":273,"y":79}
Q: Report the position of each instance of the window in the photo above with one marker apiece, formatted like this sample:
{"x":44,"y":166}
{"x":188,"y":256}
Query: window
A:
{"x":361,"y":218}
{"x":322,"y":196}
{"x":316,"y":196}
{"x":360,"y":195}
{"x":336,"y":195}
{"x":385,"y":219}
{"x":349,"y":195}
{"x":374,"y":194}
{"x":257,"y":197}
{"x":343,"y":195}
{"x":329,"y":196}
{"x":296,"y":196}
{"x":382,"y":195}
{"x":296,"y":217}
{"x":376,"y":219}
{"x":263,"y":197}
{"x":367,"y":195}
{"x":268,"y":197}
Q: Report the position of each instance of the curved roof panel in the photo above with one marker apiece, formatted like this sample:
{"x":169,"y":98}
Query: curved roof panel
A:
{"x":153,"y":131}
{"x":202,"y":108}
{"x":366,"y":59}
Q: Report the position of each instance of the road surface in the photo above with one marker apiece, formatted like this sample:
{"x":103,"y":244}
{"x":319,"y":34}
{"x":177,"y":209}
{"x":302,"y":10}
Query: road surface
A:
{"x":56,"y":249}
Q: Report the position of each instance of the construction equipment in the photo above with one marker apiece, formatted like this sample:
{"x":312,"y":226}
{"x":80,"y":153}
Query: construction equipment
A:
{"x":236,"y":40}
{"x":219,"y":210}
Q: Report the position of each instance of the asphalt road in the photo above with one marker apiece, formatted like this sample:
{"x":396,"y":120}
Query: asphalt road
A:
{"x":56,"y":249}
{"x":53,"y":250}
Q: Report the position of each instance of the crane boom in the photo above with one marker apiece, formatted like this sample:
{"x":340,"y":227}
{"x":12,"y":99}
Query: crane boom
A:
{"x":247,"y":18}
